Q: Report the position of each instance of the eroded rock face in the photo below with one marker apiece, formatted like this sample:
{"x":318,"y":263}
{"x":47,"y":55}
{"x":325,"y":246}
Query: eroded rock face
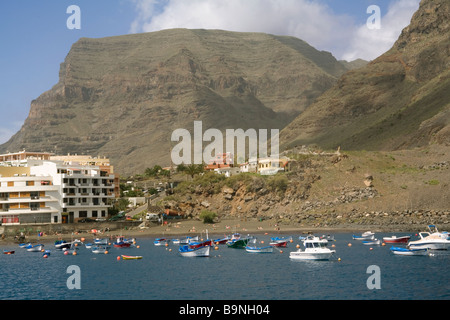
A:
{"x":123,"y":96}
{"x":399,"y":100}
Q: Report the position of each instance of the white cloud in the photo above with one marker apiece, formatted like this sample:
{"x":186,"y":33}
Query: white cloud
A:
{"x":308,"y":20}
{"x":371,"y":43}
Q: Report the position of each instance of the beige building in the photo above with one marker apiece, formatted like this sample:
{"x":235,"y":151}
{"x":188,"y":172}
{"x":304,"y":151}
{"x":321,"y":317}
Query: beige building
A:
{"x":38,"y":189}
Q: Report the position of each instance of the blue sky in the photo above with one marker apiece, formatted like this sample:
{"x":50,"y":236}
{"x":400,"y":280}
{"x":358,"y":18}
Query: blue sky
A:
{"x":35,"y":38}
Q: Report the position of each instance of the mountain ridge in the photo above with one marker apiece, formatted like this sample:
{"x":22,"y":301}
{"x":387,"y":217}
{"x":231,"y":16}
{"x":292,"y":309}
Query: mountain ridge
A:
{"x":399,"y":100}
{"x":123,"y":96}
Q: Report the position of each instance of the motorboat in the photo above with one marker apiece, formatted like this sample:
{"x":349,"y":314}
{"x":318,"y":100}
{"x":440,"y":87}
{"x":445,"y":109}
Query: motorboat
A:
{"x":101,"y":241}
{"x":315,"y":249}
{"x":99,"y":249}
{"x":124,"y":257}
{"x":188,"y":239}
{"x":187,"y":251}
{"x":408,"y":251}
{"x":35,"y":248}
{"x":373,"y":242}
{"x":279,"y":242}
{"x":161,"y":241}
{"x":433,"y":240}
{"x":239,"y":243}
{"x":395,"y":239}
{"x":368,"y":235}
{"x":122,"y":243}
{"x":252,"y":248}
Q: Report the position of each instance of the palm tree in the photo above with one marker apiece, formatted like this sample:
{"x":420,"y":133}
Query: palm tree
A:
{"x":193,"y":169}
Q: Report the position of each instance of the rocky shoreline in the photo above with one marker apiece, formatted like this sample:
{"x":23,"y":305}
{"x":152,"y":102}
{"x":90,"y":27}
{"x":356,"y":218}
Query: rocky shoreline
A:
{"x":228,"y":226}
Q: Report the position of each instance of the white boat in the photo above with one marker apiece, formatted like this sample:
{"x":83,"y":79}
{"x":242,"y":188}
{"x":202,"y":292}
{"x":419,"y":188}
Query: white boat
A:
{"x":187,"y":240}
{"x":373,"y":242}
{"x":35,"y":248}
{"x":161,"y":241}
{"x":267,"y":249}
{"x":408,"y":252}
{"x":99,"y":249}
{"x":368,"y":235}
{"x":433,"y":240}
{"x":99,"y":241}
{"x":315,"y":249}
{"x":187,"y":251}
{"x":252,"y":248}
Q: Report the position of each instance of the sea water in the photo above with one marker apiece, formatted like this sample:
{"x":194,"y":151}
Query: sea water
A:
{"x":228,"y":274}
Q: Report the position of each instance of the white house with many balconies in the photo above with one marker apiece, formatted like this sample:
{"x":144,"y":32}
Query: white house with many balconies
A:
{"x":53,"y":191}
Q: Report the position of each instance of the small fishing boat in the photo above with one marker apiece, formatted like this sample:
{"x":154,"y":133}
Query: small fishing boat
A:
{"x":122,"y":243}
{"x":373,"y":242}
{"x":201,"y":244}
{"x":368,"y":235}
{"x":46,"y":253}
{"x":99,"y":249}
{"x":176,"y":241}
{"x":124,"y":257}
{"x":253,"y":248}
{"x":222,"y":240}
{"x":24,"y":245}
{"x":408,"y":251}
{"x":267,"y":249}
{"x":35,"y":248}
{"x":279,"y":242}
{"x":395,"y":239}
{"x":161,"y":241}
{"x":60,"y":244}
{"x":188,"y":239}
{"x":8,"y":251}
{"x":88,"y":245}
{"x":101,"y":241}
{"x":240,"y":243}
{"x":315,"y":249}
{"x":186,"y":251}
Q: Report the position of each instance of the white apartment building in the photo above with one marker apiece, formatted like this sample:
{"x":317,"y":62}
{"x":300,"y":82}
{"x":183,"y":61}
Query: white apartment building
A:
{"x":53,"y":191}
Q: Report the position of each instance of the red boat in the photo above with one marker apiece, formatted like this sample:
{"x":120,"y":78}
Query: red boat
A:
{"x":8,"y":251}
{"x":395,"y":239}
{"x":121,"y":243}
{"x":279,"y":243}
{"x":194,"y":245}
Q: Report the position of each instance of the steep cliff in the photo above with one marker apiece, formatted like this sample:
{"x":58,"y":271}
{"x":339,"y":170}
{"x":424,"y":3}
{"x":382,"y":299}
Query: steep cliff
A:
{"x":399,"y":100}
{"x":123,"y":96}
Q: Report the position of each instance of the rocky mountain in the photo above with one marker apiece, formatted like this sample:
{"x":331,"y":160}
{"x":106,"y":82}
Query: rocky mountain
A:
{"x":399,"y":100}
{"x":123,"y":96}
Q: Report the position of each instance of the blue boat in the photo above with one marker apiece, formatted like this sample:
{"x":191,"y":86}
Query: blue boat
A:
{"x":187,"y":251}
{"x":408,"y":251}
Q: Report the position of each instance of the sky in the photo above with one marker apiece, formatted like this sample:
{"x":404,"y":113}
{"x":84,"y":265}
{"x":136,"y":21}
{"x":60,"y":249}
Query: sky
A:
{"x":36,"y":35}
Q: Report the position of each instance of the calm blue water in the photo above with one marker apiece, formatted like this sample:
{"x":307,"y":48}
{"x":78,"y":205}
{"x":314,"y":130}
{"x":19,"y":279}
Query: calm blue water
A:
{"x":229,"y":274}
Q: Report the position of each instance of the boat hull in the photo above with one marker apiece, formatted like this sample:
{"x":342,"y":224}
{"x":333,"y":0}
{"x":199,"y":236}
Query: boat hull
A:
{"x":238,"y":244}
{"x":131,"y":257}
{"x":395,"y":239}
{"x":408,"y":252}
{"x":311,"y":255}
{"x":36,"y":248}
{"x":122,"y":245}
{"x":8,"y":252}
{"x":268,"y":249}
{"x":99,"y":249}
{"x":429,"y":245}
{"x":185,"y":251}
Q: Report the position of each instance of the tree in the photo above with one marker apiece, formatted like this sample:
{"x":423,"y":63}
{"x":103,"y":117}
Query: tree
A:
{"x":193,"y":169}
